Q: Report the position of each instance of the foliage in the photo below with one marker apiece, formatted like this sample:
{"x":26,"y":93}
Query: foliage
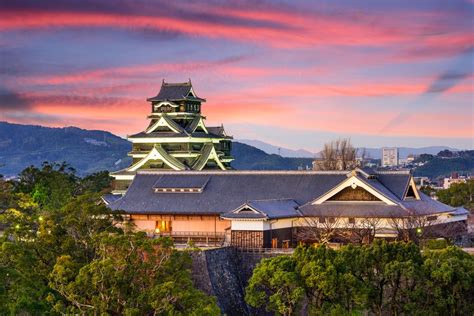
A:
{"x":275,"y":284}
{"x":71,"y":255}
{"x":427,"y":189}
{"x":381,"y":278}
{"x":458,"y":194}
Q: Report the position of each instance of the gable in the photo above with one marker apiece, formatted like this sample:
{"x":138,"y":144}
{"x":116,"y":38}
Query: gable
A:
{"x":411,"y":191}
{"x":352,"y":183}
{"x":350,"y":194}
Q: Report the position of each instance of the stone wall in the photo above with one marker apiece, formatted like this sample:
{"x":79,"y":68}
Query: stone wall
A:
{"x":224,"y":273}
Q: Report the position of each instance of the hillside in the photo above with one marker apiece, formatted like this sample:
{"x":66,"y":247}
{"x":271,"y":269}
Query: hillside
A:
{"x":85,"y":150}
{"x":437,"y":167}
{"x":89,"y":151}
{"x":251,"y":158}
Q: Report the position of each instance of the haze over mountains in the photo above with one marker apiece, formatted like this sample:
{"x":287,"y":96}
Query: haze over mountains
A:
{"x":94,"y":150}
{"x":375,"y":153}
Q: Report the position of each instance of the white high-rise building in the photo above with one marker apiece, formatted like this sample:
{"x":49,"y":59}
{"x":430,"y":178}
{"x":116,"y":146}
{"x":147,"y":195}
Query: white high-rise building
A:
{"x":390,"y":157}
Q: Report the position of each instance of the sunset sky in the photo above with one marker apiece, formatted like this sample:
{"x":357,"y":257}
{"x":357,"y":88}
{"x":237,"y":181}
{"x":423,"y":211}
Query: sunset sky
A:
{"x":290,"y":73}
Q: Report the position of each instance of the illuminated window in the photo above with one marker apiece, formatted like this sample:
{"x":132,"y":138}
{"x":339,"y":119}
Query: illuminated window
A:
{"x":162,"y":227}
{"x":274,"y":243}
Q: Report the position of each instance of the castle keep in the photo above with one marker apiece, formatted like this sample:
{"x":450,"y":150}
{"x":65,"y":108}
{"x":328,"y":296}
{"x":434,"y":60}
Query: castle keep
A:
{"x":176,"y":138}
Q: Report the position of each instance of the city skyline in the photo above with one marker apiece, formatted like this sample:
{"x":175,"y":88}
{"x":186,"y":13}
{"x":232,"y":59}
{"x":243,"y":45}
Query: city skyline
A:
{"x":293,"y":74}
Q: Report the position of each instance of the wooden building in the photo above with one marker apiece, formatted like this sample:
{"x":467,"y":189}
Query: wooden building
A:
{"x":279,"y":209}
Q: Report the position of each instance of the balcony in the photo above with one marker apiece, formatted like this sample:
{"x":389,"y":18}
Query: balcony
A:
{"x":199,"y":238}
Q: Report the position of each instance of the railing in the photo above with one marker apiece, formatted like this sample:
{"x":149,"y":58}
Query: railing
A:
{"x":267,"y":250}
{"x":190,"y":234}
{"x":198,"y":238}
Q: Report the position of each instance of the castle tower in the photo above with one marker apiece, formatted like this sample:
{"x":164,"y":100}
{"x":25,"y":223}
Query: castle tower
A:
{"x":176,"y":137}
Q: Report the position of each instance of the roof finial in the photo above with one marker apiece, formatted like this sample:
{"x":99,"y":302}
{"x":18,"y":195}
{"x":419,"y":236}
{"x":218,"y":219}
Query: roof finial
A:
{"x":189,"y":80}
{"x":163,"y":82}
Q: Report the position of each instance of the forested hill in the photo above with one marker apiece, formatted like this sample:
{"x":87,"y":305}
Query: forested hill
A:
{"x":85,"y":150}
{"x":251,"y":158}
{"x":88,"y":151}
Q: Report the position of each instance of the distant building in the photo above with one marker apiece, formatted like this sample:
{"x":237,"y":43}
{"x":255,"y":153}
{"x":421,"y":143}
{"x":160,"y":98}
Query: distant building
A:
{"x":454,"y":178}
{"x":389,"y":157}
{"x":410,"y":158}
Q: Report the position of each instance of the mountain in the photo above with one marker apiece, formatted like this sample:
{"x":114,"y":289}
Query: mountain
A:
{"x":250,"y":158}
{"x":374,"y":153}
{"x":90,"y":151}
{"x":271,"y":149}
{"x":85,"y":150}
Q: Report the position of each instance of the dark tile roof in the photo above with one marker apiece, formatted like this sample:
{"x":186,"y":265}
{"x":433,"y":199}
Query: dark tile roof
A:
{"x":110,"y":198}
{"x":216,"y":130}
{"x":226,"y":191}
{"x":396,"y":182}
{"x":174,"y":91}
{"x":169,"y":181}
{"x":270,"y":209}
{"x":426,"y":205}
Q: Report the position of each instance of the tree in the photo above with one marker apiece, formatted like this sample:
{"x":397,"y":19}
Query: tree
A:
{"x":320,"y":229}
{"x":131,"y":274}
{"x":96,"y":182}
{"x":428,"y":190}
{"x":275,"y":286}
{"x":445,"y":154}
{"x":337,"y":155}
{"x":74,"y":255}
{"x":377,"y":279}
{"x":449,"y":283}
{"x":51,"y":186}
{"x":458,"y":194}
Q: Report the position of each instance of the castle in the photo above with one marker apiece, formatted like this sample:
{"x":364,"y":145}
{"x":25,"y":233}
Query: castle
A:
{"x":181,"y":184}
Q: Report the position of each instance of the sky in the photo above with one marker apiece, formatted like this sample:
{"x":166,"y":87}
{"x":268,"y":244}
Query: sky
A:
{"x":295,"y":74}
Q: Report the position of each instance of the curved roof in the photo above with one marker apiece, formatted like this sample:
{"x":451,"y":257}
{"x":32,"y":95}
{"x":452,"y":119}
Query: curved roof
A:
{"x":175,"y":91}
{"x":271,"y":193}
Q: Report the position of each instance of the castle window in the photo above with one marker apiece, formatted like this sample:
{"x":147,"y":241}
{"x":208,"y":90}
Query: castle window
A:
{"x":332,"y":220}
{"x":322,"y":220}
{"x":431,"y":218}
{"x":351,"y":220}
{"x":162,"y":227}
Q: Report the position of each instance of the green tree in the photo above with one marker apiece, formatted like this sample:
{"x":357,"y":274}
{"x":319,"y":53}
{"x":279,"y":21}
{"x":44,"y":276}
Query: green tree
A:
{"x":449,"y":282}
{"x":96,"y":182}
{"x":329,"y":281}
{"x":275,"y":285}
{"x":131,"y":274}
{"x":378,"y":279}
{"x":55,"y":253}
{"x":458,"y":194}
{"x":51,"y":186}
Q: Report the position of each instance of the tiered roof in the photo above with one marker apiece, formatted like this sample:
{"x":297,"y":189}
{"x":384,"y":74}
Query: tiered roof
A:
{"x":176,"y":92}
